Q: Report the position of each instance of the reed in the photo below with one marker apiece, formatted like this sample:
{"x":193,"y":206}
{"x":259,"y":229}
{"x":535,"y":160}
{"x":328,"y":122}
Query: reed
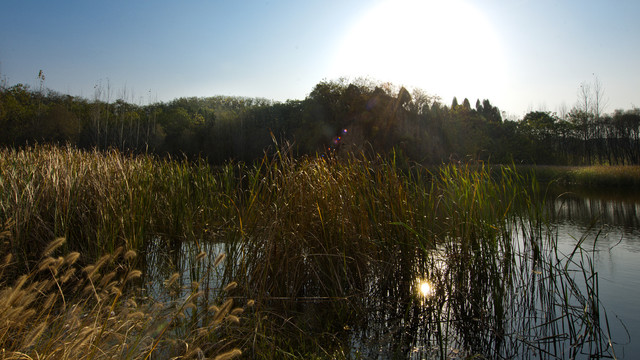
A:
{"x":606,"y":176}
{"x":100,"y":201}
{"x":330,"y":247}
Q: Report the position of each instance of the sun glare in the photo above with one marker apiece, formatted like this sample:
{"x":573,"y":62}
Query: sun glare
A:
{"x":446,"y":48}
{"x":425,"y":288}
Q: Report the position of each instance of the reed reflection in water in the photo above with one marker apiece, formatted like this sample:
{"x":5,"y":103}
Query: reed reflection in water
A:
{"x":608,"y":222}
{"x":342,"y":283}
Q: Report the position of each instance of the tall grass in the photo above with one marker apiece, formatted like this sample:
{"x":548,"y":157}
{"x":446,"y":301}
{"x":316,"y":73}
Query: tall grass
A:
{"x":100,"y":201}
{"x":329,"y":247}
{"x":61,"y":310}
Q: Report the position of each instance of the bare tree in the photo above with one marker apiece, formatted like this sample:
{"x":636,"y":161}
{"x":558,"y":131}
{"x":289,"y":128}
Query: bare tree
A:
{"x":584,"y":98}
{"x":598,"y":101}
{"x":563,"y":111}
{"x":588,"y":112}
{"x":591,"y":98}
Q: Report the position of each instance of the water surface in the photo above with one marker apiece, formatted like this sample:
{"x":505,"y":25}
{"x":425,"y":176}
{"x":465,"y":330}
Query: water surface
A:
{"x":608,"y":223}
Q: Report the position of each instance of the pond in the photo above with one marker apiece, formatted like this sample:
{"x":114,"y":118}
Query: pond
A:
{"x":448,"y":303}
{"x":609,"y":223}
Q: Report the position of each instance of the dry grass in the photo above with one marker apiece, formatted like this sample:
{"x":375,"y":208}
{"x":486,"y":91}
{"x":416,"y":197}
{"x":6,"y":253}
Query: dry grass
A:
{"x":60,"y":310}
{"x":627,"y":176}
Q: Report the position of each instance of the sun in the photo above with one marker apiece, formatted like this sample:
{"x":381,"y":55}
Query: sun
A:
{"x":446,"y":48}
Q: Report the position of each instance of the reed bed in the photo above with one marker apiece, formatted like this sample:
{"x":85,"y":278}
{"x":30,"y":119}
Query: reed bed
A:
{"x":330,"y":247}
{"x":99,"y":201}
{"x":605,"y":176}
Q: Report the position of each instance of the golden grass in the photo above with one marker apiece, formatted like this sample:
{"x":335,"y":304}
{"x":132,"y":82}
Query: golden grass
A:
{"x":626,"y":176}
{"x":44,"y":317}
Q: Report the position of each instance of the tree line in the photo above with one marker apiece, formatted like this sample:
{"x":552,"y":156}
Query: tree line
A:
{"x":337,"y":116}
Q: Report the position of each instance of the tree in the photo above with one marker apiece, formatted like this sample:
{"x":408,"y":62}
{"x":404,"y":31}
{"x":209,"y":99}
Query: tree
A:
{"x":466,"y":104}
{"x":586,"y":114}
{"x":479,"y":106}
{"x":599,"y":103}
{"x":541,"y":124}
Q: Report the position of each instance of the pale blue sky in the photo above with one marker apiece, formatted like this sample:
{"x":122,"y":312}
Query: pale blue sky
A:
{"x":541,"y":50}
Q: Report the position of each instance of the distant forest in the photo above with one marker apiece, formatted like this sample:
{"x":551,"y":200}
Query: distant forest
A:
{"x":336,"y":117}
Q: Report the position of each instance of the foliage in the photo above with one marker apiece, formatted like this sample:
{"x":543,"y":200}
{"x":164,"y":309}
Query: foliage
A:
{"x":328,"y":246}
{"x":377,"y":117}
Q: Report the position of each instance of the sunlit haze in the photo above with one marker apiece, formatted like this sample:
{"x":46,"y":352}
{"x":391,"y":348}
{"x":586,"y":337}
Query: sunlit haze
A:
{"x":522,"y":55}
{"x":444,"y":47}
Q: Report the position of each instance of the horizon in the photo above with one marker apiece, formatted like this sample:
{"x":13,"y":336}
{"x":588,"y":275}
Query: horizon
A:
{"x":523,"y":56}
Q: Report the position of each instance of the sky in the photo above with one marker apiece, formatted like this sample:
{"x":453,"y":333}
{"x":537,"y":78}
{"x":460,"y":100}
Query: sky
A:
{"x":521,"y":55}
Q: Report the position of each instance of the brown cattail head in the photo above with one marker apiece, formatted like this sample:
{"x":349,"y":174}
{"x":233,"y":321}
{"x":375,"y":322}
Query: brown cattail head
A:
{"x":52,"y":246}
{"x":130,"y":255}
{"x":232,"y":285}
{"x":229,"y":355}
{"x":219,"y":259}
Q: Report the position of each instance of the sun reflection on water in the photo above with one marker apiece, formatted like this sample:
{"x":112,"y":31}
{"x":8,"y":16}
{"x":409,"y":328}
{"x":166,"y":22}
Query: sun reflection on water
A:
{"x":425,"y":288}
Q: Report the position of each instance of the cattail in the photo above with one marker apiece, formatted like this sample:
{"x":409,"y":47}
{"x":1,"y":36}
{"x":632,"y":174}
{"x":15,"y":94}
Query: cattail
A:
{"x":7,"y":259}
{"x":117,"y":252}
{"x":237,"y":311}
{"x":112,"y":287}
{"x":136,"y":315}
{"x":129,"y":255}
{"x":202,"y":332}
{"x":88,"y":269}
{"x":92,"y":270}
{"x":131,"y":303}
{"x":103,"y":260}
{"x":193,"y":353}
{"x":85,"y":335}
{"x":46,"y":263}
{"x":172,"y":279}
{"x":219,"y":259}
{"x":13,"y":295}
{"x":35,"y":333}
{"x":133,"y":274}
{"x":53,"y":245}
{"x":229,"y":355}
{"x":88,"y":289}
{"x":50,"y":300}
{"x":224,"y":309}
{"x":71,"y":258}
{"x":67,"y":275}
{"x":232,"y":285}
{"x":105,"y":280}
